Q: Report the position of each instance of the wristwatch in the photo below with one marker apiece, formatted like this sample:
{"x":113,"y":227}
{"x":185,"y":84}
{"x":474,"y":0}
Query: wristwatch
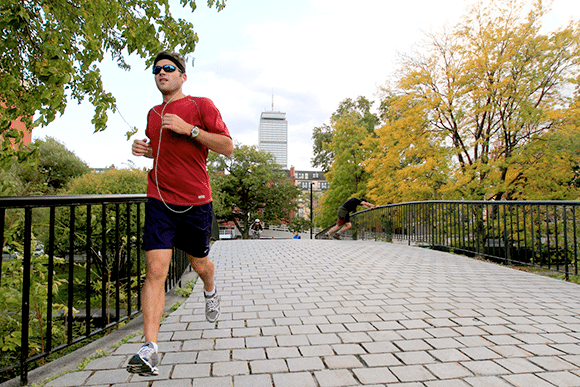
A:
{"x":194,"y":132}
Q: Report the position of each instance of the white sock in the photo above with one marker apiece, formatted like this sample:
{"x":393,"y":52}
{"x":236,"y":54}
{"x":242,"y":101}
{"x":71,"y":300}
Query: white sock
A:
{"x":209,"y":294}
{"x":155,"y":346}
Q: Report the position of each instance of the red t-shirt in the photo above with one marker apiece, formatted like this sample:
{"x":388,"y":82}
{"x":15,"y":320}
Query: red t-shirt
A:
{"x":179,"y":175}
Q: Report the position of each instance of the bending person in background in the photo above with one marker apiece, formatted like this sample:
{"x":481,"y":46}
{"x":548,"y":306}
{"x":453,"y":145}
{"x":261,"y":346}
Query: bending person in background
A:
{"x":343,"y":223}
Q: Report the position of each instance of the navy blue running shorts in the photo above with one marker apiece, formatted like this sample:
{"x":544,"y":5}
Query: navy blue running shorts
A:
{"x":189,"y":231}
{"x":343,"y":216}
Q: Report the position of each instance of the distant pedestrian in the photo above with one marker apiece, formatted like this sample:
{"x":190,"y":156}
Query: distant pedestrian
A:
{"x":296,"y":235}
{"x":343,"y":223}
{"x":256,"y":229}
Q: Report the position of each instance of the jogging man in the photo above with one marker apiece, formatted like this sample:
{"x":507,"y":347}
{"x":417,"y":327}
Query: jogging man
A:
{"x":179,"y":210}
{"x":343,"y":223}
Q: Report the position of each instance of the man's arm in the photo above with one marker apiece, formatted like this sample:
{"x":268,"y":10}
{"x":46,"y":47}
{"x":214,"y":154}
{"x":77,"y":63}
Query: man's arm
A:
{"x":216,"y":142}
{"x":367,"y":205}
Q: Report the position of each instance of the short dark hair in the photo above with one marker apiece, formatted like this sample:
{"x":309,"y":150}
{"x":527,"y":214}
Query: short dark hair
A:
{"x":172,"y":56}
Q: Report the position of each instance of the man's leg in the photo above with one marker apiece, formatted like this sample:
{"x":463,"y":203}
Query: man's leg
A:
{"x":333,"y":228}
{"x":153,"y":300}
{"x":338,"y":224}
{"x":153,"y":294}
{"x":205,"y":268}
{"x":346,"y":226}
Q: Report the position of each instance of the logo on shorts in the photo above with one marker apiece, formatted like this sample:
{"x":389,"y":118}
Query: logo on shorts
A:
{"x":201,"y":197}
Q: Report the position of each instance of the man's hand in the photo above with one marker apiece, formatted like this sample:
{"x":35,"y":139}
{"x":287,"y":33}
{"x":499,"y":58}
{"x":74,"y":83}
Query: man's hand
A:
{"x":142,"y":148}
{"x":177,"y":124}
{"x":216,"y":142}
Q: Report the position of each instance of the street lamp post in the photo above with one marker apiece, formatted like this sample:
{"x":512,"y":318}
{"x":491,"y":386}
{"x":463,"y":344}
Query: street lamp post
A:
{"x":311,"y":212}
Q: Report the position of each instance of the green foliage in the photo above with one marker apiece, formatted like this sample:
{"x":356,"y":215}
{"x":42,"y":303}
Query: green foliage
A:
{"x":175,"y":306}
{"x":50,"y":51}
{"x":11,"y":304}
{"x":122,"y":181}
{"x":300,"y":225}
{"x":186,"y":290}
{"x":105,"y":260}
{"x":82,"y":365}
{"x":115,"y":181}
{"x":55,"y":166}
{"x":251,"y":187}
{"x":351,"y":124}
{"x":11,"y":160}
{"x":323,"y":154}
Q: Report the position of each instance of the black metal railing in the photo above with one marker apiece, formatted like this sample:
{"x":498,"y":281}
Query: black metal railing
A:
{"x":72,"y":267}
{"x":538,"y":233}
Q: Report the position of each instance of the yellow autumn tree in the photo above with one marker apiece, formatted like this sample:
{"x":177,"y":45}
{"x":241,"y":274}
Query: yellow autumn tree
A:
{"x":408,"y":163}
{"x":475,"y":106}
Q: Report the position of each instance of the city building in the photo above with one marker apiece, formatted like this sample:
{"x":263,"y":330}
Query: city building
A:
{"x":305,"y":180}
{"x":273,"y":136}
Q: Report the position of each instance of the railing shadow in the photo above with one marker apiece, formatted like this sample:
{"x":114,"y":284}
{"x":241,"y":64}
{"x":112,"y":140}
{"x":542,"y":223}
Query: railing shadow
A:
{"x":535,"y":233}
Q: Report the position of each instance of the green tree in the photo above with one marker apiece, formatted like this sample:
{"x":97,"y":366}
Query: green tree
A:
{"x":486,"y":99}
{"x":111,"y":182}
{"x":300,"y":225}
{"x":54,"y":168}
{"x":351,"y":124}
{"x":250,"y":185}
{"x":50,"y":50}
{"x":323,"y":154}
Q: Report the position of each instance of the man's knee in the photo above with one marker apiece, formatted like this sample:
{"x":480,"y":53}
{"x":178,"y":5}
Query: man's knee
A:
{"x":201,"y":265}
{"x":157,"y":265}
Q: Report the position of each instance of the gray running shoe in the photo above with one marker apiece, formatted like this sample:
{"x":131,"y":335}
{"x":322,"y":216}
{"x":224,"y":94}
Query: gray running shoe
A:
{"x":212,"y":308}
{"x":336,"y":236}
{"x":144,"y":362}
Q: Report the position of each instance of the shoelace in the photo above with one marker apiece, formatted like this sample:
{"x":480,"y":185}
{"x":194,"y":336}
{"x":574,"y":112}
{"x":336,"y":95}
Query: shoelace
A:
{"x":212,"y":303}
{"x":146,"y":351}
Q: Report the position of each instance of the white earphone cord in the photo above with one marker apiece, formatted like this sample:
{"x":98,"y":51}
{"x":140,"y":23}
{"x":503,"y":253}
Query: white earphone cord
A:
{"x":159,"y":153}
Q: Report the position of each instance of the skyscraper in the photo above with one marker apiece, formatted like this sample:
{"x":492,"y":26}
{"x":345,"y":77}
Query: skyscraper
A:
{"x":273,"y":136}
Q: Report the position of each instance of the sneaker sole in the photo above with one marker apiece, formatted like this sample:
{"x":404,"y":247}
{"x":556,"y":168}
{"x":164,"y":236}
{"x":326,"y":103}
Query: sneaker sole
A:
{"x":142,"y":368}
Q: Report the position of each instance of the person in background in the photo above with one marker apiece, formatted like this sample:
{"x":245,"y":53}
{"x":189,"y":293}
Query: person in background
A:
{"x":343,"y":223}
{"x":256,"y":229}
{"x":296,"y":235}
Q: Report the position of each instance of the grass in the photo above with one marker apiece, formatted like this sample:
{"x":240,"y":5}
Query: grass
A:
{"x":186,"y":290}
{"x":98,"y":354}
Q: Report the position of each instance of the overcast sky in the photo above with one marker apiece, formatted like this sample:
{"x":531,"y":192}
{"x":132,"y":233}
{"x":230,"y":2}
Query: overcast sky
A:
{"x":304,"y":55}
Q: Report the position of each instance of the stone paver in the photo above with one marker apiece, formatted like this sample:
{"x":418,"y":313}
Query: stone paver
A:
{"x":349,"y":313}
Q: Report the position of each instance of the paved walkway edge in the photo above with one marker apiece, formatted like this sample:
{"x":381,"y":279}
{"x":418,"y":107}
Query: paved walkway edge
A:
{"x":71,"y":361}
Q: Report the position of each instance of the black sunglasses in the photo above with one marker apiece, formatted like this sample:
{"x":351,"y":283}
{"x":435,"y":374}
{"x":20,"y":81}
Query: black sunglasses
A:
{"x":167,"y":68}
